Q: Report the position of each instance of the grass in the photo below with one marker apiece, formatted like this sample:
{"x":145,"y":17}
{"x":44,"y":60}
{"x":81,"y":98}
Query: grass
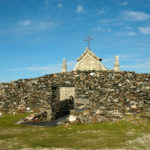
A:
{"x":112,"y":135}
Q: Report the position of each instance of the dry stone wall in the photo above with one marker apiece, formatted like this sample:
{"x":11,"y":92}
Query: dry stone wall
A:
{"x":123,"y":91}
{"x":95,"y":90}
{"x":29,"y":95}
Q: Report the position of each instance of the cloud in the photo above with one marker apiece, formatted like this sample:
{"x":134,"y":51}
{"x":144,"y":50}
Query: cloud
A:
{"x":130,"y":62}
{"x":47,"y":3}
{"x":134,"y":62}
{"x":131,"y":33}
{"x":142,"y":67}
{"x":100,"y":29}
{"x":42,"y":69}
{"x":52,"y":3}
{"x":106,"y":21}
{"x":25,"y":23}
{"x":25,"y":27}
{"x":100,"y":12}
{"x":124,"y":3}
{"x":52,"y":68}
{"x":34,"y":25}
{"x":47,"y":68}
{"x":71,"y":65}
{"x":136,"y":16}
{"x":128,"y":33}
{"x":123,"y":58}
{"x":60,"y":5}
{"x":43,"y":25}
{"x":79,"y":9}
{"x":144,"y":30}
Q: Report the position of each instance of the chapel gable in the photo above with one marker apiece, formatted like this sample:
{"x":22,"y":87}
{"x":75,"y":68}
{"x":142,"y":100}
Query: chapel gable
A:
{"x":89,"y":61}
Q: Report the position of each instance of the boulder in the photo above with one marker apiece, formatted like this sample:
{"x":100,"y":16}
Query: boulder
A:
{"x":37,"y":117}
{"x":72,"y":118}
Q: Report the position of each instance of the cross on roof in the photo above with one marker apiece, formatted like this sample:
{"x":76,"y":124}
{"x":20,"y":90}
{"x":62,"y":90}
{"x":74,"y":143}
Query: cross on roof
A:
{"x":88,"y":40}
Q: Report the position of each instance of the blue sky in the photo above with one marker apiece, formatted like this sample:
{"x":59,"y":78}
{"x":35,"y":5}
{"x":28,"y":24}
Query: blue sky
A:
{"x":35,"y":35}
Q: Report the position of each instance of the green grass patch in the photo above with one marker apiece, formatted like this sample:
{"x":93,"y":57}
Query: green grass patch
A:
{"x":89,"y":136}
{"x":9,"y":120}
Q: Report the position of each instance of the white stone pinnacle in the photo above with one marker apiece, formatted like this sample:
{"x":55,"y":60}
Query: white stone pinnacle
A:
{"x":116,"y":64}
{"x":64,"y":66}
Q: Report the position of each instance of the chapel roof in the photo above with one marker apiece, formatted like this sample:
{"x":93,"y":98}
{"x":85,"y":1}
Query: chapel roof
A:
{"x":90,"y":53}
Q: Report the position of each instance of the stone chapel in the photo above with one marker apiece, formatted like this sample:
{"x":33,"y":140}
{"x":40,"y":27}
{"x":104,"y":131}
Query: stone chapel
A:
{"x":89,"y":61}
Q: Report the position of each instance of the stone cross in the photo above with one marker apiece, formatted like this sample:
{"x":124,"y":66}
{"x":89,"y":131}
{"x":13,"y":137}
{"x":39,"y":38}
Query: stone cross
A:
{"x":88,"y":40}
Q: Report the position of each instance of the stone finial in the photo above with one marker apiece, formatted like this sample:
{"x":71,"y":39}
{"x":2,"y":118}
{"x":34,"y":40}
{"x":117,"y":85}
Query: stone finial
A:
{"x":116,"y":65}
{"x":64,"y":66}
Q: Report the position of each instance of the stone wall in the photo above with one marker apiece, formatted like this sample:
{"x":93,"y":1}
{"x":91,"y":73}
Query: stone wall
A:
{"x":29,"y":95}
{"x":108,"y":90}
{"x":96,"y":90}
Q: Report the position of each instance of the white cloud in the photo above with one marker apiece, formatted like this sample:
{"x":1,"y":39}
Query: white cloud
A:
{"x":136,"y":63}
{"x":53,"y":68}
{"x":100,"y":12}
{"x":47,"y":3}
{"x":124,"y":3}
{"x":128,"y":33}
{"x":25,"y":23}
{"x":123,"y":58}
{"x":60,"y":5}
{"x":50,"y":3}
{"x":100,"y":29}
{"x":106,"y":21}
{"x":47,"y":68}
{"x":136,"y":16}
{"x":43,"y":25}
{"x":131,"y":33}
{"x":129,"y":28}
{"x":145,"y":66}
{"x":144,"y":30}
{"x":79,"y":9}
{"x":71,"y":65}
{"x":29,"y":25}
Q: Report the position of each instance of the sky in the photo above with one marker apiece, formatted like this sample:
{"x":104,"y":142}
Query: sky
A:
{"x":35,"y":35}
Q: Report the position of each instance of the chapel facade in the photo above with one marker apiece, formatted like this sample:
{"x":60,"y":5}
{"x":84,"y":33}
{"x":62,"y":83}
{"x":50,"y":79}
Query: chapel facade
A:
{"x":89,"y":61}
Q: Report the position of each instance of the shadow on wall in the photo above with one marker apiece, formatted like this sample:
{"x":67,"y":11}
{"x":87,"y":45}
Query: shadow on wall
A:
{"x":64,"y":107}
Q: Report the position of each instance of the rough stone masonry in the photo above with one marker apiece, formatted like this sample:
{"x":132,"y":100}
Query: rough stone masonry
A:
{"x":103,"y":91}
